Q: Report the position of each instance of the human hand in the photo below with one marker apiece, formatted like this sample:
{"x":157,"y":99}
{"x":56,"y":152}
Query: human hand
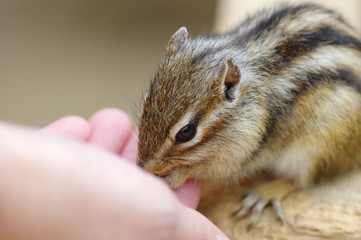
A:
{"x":111,"y":130}
{"x":62,"y":189}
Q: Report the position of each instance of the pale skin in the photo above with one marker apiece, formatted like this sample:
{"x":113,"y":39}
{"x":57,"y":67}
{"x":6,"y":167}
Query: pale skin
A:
{"x":77,"y":179}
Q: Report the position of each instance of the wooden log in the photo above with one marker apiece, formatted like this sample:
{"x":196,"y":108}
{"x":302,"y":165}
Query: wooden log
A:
{"x":328,"y":211}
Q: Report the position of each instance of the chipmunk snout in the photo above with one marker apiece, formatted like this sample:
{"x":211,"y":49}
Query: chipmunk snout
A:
{"x":155,"y":170}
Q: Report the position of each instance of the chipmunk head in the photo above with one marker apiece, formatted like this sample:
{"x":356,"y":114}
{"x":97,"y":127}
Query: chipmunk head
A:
{"x":200,"y":118}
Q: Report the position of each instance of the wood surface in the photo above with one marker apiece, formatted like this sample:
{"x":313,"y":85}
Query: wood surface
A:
{"x":328,"y":211}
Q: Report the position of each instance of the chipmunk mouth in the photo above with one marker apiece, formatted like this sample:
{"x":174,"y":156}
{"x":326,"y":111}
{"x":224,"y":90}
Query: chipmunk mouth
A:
{"x":169,"y":178}
{"x":163,"y":175}
{"x":172,"y":177}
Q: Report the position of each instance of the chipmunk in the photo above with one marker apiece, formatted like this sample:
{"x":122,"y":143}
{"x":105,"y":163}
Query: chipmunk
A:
{"x":279,"y":93}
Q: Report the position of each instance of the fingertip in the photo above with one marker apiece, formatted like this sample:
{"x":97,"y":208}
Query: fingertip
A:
{"x":129,"y":152}
{"x":193,"y":225}
{"x":111,"y":113}
{"x":110,"y":129}
{"x":221,"y":237}
{"x":70,"y":126}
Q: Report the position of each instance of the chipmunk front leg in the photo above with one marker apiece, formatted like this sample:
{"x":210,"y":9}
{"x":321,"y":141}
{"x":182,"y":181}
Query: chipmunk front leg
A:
{"x":269,"y":193}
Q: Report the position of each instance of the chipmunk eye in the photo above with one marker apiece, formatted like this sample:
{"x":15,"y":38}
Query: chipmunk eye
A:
{"x":186,"y":133}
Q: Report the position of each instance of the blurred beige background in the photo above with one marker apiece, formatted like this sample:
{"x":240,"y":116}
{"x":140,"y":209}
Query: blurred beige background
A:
{"x":76,"y":56}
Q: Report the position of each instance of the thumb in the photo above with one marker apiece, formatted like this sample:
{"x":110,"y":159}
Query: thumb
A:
{"x":193,"y":225}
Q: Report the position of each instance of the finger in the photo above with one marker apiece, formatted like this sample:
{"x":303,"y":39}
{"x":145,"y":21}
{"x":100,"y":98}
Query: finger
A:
{"x":70,"y":126}
{"x":193,"y":225}
{"x":190,"y":193}
{"x":110,"y":129}
{"x":130,"y":150}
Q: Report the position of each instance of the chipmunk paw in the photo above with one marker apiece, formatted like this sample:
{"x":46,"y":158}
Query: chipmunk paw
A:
{"x":255,"y":201}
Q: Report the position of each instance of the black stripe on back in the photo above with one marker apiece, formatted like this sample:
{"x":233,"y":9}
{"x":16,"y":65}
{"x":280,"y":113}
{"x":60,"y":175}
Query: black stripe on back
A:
{"x":271,"y":22}
{"x":302,"y":43}
{"x":343,"y":76}
{"x":280,"y":107}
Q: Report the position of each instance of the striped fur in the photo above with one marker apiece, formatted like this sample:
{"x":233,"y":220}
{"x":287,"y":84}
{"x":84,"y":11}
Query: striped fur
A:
{"x":297,"y":107}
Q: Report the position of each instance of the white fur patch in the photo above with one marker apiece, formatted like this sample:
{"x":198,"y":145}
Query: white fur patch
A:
{"x":296,"y":161}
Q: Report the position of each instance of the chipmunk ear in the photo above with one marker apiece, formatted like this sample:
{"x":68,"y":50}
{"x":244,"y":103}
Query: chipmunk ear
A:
{"x":231,"y":76}
{"x":177,"y":40}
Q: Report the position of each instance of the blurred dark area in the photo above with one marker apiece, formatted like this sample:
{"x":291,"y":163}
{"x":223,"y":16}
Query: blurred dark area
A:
{"x":74,"y":57}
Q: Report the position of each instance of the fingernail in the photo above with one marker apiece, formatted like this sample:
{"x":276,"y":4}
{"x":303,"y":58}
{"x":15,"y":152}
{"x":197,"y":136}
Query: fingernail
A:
{"x":221,"y":237}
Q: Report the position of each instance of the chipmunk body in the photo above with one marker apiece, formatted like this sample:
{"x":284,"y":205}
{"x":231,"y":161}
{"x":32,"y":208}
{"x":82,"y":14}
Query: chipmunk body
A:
{"x":281,"y":93}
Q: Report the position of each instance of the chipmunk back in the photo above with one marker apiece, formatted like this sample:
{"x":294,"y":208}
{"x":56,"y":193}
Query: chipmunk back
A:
{"x":281,"y":92}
